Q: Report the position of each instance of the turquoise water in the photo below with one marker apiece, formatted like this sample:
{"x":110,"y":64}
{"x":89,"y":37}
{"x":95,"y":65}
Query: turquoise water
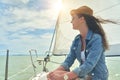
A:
{"x":20,"y":67}
{"x":16,"y":64}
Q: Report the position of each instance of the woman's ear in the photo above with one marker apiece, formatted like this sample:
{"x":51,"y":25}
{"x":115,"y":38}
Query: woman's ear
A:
{"x":82,"y":19}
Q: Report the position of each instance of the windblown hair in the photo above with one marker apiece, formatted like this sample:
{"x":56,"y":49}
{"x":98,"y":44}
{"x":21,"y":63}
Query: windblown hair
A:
{"x":94,"y":24}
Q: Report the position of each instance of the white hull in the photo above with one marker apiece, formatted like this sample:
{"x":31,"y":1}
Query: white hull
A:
{"x":41,"y":76}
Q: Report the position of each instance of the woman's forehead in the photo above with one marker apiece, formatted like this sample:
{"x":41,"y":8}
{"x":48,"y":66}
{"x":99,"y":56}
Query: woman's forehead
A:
{"x":74,"y":15}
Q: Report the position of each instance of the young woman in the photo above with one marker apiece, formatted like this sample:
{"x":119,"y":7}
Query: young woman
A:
{"x":88,"y":48}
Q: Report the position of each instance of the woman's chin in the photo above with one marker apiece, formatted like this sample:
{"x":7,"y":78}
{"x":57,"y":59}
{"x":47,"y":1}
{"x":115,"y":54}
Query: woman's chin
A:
{"x":74,"y":28}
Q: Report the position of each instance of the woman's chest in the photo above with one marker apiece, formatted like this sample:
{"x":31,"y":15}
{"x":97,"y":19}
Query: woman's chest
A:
{"x":77,"y":49}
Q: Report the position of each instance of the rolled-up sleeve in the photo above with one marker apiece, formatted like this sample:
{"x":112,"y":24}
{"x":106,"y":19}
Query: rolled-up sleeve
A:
{"x":93,"y":57}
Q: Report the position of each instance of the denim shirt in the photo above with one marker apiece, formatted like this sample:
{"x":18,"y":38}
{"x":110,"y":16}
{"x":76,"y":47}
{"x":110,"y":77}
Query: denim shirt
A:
{"x":94,"y":64}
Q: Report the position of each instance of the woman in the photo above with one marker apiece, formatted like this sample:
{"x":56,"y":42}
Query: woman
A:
{"x":88,"y":48}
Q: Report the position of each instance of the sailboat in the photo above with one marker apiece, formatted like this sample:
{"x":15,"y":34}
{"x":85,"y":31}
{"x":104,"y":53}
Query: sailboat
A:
{"x":64,"y":34}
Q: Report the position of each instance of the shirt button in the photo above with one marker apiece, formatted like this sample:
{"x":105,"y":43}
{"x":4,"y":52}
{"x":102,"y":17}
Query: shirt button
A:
{"x":92,"y":74}
{"x":86,"y":50}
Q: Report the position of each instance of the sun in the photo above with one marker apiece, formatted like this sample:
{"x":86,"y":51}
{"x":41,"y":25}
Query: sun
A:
{"x":57,"y":6}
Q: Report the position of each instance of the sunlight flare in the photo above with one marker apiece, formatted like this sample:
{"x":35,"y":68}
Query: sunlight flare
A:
{"x":57,"y":6}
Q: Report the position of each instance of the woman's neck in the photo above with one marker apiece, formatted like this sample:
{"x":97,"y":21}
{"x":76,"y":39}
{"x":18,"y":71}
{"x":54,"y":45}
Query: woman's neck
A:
{"x":84,"y":33}
{"x":83,"y":30}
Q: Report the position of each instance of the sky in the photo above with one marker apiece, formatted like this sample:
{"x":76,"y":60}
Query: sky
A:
{"x":26,"y":24}
{"x":29,"y":24}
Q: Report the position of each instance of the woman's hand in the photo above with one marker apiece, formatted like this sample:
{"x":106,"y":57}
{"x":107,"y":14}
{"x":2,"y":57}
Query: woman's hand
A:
{"x":72,"y":76}
{"x":60,"y":70}
{"x":59,"y":75}
{"x":56,"y":75}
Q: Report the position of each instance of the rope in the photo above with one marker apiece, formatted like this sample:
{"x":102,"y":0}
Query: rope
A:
{"x":20,"y":72}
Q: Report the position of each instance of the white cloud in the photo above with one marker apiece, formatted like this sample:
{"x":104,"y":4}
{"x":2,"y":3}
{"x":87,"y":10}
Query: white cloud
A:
{"x":37,"y":19}
{"x":13,"y":32}
{"x":26,"y":42}
{"x":14,"y":1}
{"x":47,"y":36}
{"x":2,"y":37}
{"x":25,"y":1}
{"x":24,"y":18}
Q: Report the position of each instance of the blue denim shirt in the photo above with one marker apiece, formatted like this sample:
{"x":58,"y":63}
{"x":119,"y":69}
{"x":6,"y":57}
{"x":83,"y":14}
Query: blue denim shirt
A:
{"x":94,"y":64}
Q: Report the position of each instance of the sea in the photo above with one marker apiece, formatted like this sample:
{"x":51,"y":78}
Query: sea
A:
{"x":21,"y":67}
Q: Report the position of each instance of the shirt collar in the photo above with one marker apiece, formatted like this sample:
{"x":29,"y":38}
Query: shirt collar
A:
{"x":89,"y":35}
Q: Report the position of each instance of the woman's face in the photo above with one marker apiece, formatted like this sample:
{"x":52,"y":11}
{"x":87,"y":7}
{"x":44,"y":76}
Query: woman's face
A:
{"x":78,"y":22}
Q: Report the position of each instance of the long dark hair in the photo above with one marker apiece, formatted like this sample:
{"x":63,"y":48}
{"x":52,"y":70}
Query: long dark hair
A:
{"x":94,"y":24}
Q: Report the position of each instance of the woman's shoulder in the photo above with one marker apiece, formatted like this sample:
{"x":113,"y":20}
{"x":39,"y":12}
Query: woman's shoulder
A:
{"x":97,"y":36}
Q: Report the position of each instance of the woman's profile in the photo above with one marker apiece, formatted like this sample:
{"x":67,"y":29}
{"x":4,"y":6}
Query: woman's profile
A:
{"x":88,"y":48}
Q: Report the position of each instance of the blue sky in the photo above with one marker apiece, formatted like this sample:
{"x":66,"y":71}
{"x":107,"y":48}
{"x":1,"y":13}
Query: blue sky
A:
{"x":26,"y":24}
{"x":29,"y":24}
